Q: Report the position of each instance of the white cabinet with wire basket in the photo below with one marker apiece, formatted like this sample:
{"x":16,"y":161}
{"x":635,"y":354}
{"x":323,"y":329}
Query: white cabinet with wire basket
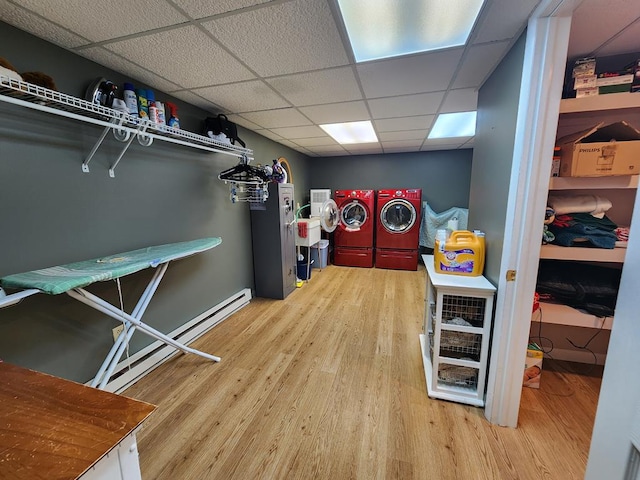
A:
{"x":455,"y":342}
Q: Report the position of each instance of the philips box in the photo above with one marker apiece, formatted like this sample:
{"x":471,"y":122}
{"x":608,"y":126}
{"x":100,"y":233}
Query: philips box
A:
{"x":602,"y":150}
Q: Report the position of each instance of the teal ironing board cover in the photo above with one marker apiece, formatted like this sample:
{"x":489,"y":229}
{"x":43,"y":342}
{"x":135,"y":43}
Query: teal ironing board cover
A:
{"x":55,"y":280}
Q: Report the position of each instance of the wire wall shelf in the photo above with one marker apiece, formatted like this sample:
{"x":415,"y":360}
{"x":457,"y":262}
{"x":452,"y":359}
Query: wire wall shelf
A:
{"x":124,"y":127}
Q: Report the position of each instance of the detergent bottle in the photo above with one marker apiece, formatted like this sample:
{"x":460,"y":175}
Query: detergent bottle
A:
{"x":461,"y":254}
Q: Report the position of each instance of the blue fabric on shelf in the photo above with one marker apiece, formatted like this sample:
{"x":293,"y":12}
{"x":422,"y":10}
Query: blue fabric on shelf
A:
{"x":580,"y":234}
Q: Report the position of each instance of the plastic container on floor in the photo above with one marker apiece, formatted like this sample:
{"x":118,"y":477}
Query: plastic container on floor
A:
{"x":320,"y":254}
{"x":301,"y":269}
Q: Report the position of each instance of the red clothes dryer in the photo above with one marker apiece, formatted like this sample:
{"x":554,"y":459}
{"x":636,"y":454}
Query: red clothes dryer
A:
{"x":353,"y":238}
{"x":398,"y":228}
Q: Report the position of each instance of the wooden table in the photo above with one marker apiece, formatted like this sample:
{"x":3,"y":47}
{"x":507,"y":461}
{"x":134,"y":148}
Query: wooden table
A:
{"x":51,"y":428}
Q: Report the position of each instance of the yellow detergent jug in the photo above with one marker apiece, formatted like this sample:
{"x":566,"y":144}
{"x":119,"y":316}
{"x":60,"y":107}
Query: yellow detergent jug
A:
{"x":462,"y":254}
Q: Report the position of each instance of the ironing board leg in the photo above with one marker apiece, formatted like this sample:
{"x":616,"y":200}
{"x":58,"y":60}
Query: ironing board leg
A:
{"x":132,"y":322}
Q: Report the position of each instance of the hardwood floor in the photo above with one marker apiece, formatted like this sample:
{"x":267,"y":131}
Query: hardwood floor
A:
{"x":328,"y":384}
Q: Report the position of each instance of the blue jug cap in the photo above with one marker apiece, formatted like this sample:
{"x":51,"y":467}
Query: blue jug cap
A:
{"x":128,"y":86}
{"x":150,"y":95}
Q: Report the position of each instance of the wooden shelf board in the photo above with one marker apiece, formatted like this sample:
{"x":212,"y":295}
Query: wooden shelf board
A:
{"x":611,"y":101}
{"x":565,"y":315}
{"x":585,"y":254}
{"x":594,"y":183}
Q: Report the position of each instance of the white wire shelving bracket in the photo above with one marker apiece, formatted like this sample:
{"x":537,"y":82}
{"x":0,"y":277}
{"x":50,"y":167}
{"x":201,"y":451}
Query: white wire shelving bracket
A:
{"x":125,"y":128}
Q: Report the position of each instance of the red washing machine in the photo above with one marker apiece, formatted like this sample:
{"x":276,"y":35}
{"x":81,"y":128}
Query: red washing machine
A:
{"x":353,"y":238}
{"x":398,"y":228}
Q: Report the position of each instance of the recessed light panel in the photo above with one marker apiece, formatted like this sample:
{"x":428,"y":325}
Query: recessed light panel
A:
{"x":452,"y":125}
{"x":390,"y":28}
{"x":351,"y":132}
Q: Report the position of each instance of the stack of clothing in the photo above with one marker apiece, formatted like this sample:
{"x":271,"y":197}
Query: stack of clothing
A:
{"x":580,"y":221}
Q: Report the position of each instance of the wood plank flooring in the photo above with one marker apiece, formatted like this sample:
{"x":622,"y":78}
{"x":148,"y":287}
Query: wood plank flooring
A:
{"x":328,"y":384}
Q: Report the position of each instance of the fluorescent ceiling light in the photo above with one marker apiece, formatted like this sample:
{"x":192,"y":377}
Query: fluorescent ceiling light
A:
{"x":390,"y":28}
{"x":351,"y":132}
{"x":452,"y":125}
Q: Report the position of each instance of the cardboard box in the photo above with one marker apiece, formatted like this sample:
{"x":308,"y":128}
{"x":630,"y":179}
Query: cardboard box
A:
{"x":533,"y":366}
{"x":555,"y":162}
{"x":602,"y":150}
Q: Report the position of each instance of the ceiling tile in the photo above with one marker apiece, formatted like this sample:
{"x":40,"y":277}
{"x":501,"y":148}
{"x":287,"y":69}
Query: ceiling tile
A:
{"x":328,"y":149}
{"x":316,"y":141}
{"x":406,"y":105}
{"x":434,"y":147}
{"x":399,"y":148}
{"x":478,"y":63}
{"x":428,"y":72}
{"x":336,"y":113}
{"x":243,"y":97}
{"x":112,"y":20}
{"x":240,"y":120}
{"x":25,"y":20}
{"x":197,"y":100}
{"x":462,"y":100}
{"x":180,"y":57}
{"x":404,"y":135}
{"x":504,"y":20}
{"x":626,"y":42}
{"x":446,"y":141}
{"x":200,"y":9}
{"x":290,"y":37}
{"x":133,"y":71}
{"x":404,"y":123}
{"x":413,"y":143}
{"x":283,"y":117}
{"x":299,"y":132}
{"x":313,"y":88}
{"x":269,"y":134}
{"x":613,"y":16}
{"x":364,"y":148}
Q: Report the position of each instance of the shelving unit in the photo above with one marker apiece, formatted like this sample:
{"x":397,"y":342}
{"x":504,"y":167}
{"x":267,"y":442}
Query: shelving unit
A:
{"x":455,"y":342}
{"x":124,"y":127}
{"x":577,"y":114}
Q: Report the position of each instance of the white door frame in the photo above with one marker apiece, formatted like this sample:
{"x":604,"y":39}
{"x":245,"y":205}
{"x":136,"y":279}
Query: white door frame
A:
{"x":539,"y":104}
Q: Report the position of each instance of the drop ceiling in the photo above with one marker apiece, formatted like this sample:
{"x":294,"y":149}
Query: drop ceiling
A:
{"x":283,"y":67}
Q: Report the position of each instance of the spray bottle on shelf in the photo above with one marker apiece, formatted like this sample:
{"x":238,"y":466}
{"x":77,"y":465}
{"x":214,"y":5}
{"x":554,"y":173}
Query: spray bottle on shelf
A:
{"x":143,"y":106}
{"x":153,"y":110}
{"x":130,"y":99}
{"x":173,"y":115}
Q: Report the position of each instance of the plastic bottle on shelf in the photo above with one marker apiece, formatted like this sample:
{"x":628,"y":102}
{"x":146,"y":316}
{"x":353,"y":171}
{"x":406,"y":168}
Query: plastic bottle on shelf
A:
{"x":161,"y":115}
{"x":153,"y":109}
{"x":173,"y":115}
{"x":143,"y":105}
{"x":130,"y":99}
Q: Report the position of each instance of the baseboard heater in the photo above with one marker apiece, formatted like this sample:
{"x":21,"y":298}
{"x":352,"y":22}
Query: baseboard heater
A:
{"x":132,"y":369}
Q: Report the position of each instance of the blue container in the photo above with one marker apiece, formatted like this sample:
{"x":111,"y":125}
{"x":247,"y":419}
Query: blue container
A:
{"x":301,"y":270}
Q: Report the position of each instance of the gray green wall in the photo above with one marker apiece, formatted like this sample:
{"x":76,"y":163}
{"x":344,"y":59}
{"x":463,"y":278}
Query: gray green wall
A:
{"x":493,"y":153}
{"x":443,"y":175}
{"x":53,"y":213}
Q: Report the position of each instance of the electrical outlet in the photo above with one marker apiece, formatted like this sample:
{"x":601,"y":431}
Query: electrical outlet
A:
{"x":117,"y":331}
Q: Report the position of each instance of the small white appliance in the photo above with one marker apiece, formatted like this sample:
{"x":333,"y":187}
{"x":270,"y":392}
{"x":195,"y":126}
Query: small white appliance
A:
{"x":318,"y":197}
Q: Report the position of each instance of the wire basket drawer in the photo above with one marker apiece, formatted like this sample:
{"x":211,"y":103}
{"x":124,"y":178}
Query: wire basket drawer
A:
{"x":463,"y":310}
{"x":460,"y":344}
{"x":457,"y":376}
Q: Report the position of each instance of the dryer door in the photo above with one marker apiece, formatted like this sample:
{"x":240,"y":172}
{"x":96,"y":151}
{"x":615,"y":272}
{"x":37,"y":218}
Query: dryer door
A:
{"x":353,"y":216}
{"x":398,"y":216}
{"x":329,"y":216}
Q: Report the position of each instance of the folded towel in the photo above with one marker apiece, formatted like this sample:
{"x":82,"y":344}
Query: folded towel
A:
{"x":302,"y":229}
{"x":592,"y":204}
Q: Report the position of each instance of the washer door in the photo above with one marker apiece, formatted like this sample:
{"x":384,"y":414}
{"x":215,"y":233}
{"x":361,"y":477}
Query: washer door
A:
{"x":398,"y":216}
{"x":353,"y":216}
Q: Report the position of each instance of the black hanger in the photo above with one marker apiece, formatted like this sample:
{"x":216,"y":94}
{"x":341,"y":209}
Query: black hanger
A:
{"x":244,"y":173}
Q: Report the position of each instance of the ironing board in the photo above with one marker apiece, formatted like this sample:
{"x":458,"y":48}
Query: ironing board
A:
{"x":72,"y":277}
